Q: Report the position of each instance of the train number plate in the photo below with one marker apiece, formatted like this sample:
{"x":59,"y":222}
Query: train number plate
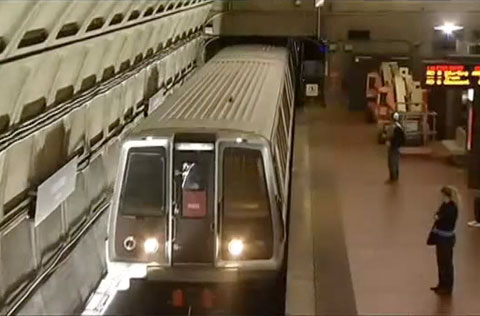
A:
{"x":194,"y":204}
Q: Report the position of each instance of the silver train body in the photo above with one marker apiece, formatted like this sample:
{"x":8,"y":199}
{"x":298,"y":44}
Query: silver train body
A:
{"x":203,"y":183}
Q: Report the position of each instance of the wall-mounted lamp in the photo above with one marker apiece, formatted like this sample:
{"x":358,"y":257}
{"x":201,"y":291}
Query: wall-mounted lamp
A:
{"x":448,"y":28}
{"x":298,"y":3}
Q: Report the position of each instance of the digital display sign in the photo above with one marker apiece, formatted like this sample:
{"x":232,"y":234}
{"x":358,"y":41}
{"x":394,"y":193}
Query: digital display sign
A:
{"x":452,"y":75}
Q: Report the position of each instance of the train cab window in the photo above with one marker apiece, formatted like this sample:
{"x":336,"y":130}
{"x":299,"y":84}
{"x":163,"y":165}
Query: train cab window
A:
{"x":246,"y":204}
{"x":143,"y":188}
{"x":194,"y":190}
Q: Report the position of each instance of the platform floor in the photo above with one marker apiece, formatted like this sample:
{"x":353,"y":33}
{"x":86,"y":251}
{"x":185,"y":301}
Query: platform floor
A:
{"x":368,"y":248}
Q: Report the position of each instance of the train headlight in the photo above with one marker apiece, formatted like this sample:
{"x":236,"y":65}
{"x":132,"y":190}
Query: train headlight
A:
{"x":235,"y":247}
{"x":150,"y":245}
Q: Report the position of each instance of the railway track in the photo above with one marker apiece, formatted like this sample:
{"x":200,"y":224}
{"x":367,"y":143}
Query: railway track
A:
{"x":149,"y":298}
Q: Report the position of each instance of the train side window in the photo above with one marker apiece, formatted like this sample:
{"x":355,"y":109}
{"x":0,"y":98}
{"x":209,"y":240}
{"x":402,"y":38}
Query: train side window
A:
{"x":286,"y":111}
{"x":246,"y":203}
{"x":143,"y":188}
{"x":278,"y":164}
{"x":290,"y":66}
{"x":278,"y":177}
{"x":289,"y":88}
{"x":282,"y":121}
{"x":281,"y":140}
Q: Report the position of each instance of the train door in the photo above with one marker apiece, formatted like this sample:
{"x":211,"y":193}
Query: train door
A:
{"x":193,"y":213}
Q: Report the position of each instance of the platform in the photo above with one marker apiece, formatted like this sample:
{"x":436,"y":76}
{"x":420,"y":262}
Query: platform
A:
{"x":367,"y":253}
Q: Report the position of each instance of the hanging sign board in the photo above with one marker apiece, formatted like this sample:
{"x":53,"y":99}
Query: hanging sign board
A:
{"x":452,"y":75}
{"x":55,"y":190}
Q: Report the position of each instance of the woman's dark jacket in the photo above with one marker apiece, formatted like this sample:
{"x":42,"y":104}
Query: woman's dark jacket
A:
{"x":446,"y":219}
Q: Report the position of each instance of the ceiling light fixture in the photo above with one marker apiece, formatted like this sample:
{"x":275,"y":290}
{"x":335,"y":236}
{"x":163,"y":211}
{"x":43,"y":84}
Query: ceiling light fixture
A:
{"x":448,"y":28}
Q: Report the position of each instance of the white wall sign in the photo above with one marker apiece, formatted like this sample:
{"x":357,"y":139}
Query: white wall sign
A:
{"x":155,"y":101}
{"x":209,"y":30}
{"x":55,"y":190}
{"x":410,"y":126}
{"x":311,"y":90}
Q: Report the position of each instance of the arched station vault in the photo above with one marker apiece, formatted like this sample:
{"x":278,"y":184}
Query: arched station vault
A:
{"x":74,"y":77}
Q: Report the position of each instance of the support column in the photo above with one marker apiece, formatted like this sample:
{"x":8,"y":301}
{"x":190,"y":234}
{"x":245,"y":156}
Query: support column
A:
{"x":474,"y":159}
{"x":453,"y":107}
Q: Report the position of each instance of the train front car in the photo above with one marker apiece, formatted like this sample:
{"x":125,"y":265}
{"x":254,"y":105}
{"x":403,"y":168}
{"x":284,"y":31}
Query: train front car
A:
{"x":201,"y":195}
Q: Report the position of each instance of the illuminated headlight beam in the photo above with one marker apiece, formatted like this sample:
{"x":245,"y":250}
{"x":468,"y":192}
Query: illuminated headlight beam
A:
{"x":150,"y":245}
{"x":235,"y":247}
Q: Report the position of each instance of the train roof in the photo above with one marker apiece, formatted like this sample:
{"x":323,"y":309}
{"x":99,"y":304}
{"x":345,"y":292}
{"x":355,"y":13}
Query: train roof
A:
{"x":237,"y":90}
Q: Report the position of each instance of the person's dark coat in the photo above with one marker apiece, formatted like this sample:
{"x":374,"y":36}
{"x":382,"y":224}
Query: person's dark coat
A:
{"x":447,"y":216}
{"x":398,"y":137}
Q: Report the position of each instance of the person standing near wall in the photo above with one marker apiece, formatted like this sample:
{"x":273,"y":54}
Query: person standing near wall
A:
{"x":443,"y":237}
{"x":395,"y":141}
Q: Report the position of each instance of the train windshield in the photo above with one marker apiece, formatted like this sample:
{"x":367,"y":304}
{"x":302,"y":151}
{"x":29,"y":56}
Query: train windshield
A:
{"x":246,"y":204}
{"x":143,"y":188}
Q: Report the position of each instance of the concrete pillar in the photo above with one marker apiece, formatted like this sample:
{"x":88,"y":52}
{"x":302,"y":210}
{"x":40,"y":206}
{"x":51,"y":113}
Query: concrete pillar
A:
{"x":452,"y":110}
{"x":474,"y":159}
{"x":447,"y":103}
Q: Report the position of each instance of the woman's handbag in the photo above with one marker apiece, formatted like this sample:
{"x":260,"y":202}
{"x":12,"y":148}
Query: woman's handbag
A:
{"x":432,"y":237}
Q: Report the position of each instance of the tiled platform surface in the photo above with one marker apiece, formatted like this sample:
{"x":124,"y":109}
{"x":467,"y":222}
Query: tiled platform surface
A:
{"x":368,"y":248}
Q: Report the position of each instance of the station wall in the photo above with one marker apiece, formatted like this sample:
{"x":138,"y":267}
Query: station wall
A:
{"x":79,"y":100}
{"x":265,"y":18}
{"x":396,"y":27}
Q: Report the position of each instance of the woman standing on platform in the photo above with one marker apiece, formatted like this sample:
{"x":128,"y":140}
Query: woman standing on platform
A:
{"x":443,"y":237}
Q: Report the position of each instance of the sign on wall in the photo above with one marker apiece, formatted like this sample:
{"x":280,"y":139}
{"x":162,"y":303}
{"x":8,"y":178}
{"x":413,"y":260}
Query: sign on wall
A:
{"x":311,"y":90}
{"x":55,"y":190}
{"x":155,"y":101}
{"x":456,"y":75}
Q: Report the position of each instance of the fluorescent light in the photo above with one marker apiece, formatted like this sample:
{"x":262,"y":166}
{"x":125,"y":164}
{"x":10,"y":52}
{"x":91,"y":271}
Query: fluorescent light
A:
{"x":448,"y":28}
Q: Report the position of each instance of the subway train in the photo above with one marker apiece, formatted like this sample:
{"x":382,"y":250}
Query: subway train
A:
{"x":202,"y":189}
